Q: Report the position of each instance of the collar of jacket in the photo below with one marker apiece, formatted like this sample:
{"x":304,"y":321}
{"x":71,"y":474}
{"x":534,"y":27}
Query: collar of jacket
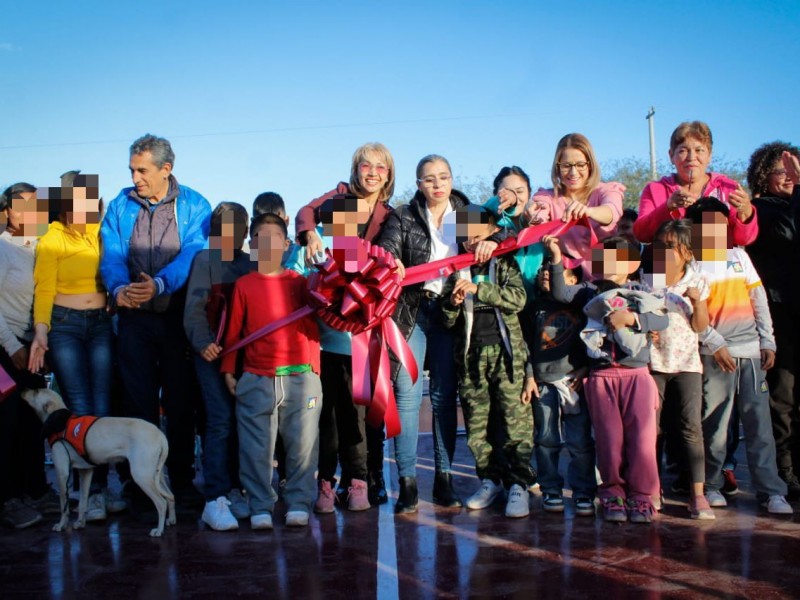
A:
{"x":172,"y":194}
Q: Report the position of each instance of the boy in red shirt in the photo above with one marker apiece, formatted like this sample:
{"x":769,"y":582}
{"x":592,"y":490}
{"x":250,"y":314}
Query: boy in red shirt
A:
{"x":279,"y":390}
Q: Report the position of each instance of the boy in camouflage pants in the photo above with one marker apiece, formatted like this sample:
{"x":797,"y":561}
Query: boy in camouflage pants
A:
{"x":481,"y":304}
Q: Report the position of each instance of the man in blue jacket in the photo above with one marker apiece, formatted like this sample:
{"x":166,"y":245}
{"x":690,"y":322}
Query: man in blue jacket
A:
{"x":151,"y":232}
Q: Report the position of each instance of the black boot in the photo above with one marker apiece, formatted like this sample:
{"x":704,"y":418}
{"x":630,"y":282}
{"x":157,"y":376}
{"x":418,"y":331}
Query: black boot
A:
{"x":407,"y":498}
{"x":443,"y":492}
{"x":376,"y":488}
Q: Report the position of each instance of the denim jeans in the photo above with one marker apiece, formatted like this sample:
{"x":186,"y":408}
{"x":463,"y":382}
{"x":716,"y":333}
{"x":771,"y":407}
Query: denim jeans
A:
{"x":548,"y":420}
{"x":81,"y":355}
{"x":220,"y":442}
{"x":430,"y":337}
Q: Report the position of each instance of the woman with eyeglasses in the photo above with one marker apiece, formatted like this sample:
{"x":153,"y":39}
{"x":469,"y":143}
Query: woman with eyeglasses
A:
{"x":578,"y":192}
{"x":690,"y":153}
{"x":773,"y":177}
{"x":417,"y":233}
{"x":344,"y":437}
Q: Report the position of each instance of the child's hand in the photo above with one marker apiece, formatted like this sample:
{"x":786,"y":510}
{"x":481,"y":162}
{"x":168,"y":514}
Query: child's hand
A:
{"x":211,"y":352}
{"x":577,"y":376}
{"x":483,"y":250}
{"x":654,"y":337}
{"x":313,"y":244}
{"x":693,"y":294}
{"x":551,"y":245}
{"x":230,"y":383}
{"x":529,"y":391}
{"x":767,"y":359}
{"x":620,"y":319}
{"x":725,"y":360}
{"x":461,"y":289}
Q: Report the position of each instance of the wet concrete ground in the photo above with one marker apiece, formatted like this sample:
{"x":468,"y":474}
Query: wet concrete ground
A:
{"x":437,"y":553}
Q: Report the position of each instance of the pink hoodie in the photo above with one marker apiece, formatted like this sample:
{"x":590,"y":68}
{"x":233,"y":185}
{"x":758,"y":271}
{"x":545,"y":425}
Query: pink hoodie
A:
{"x":653,"y":209}
{"x":575,"y":242}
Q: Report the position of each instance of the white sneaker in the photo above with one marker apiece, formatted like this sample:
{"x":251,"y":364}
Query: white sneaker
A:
{"x":517,"y":505}
{"x":777,"y":505}
{"x":485,"y":495}
{"x":716,"y":499}
{"x":96,"y":507}
{"x":262,"y":521}
{"x":239,"y":505}
{"x":217,"y":515}
{"x":296,"y":518}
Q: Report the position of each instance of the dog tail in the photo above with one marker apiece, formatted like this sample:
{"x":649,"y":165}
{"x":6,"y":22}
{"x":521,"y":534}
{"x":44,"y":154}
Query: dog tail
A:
{"x":161,"y":484}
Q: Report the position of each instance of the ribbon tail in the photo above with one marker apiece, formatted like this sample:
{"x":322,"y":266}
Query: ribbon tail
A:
{"x":361,"y":367}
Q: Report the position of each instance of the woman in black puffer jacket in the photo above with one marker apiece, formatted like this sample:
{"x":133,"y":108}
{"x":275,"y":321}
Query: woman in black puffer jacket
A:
{"x":417,"y":233}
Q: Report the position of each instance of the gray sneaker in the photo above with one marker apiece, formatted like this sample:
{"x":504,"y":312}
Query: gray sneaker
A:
{"x":18,"y":515}
{"x":715,"y":499}
{"x":47,"y":504}
{"x":96,"y":507}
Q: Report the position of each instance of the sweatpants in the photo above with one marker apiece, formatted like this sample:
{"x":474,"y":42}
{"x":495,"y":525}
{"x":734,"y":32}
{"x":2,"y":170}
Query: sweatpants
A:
{"x":265,"y":406}
{"x":622,"y":405}
{"x":488,"y":383}
{"x":747,"y":386}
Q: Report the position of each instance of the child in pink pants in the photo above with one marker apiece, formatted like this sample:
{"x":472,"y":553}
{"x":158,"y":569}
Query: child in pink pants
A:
{"x":620,"y":392}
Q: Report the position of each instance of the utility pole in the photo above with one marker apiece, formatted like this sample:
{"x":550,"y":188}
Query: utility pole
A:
{"x":651,"y":122}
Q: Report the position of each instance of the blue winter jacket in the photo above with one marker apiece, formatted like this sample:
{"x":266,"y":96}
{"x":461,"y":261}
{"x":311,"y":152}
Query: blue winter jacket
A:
{"x":193,"y":213}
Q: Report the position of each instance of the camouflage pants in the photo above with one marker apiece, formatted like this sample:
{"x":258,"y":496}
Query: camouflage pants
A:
{"x":488,"y":385}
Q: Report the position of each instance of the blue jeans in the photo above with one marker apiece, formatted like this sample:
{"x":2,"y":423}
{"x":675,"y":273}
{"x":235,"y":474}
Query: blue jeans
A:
{"x":220,"y":442}
{"x":81,"y":356}
{"x":430,"y":337}
{"x":81,"y":349}
{"x":548,"y":418}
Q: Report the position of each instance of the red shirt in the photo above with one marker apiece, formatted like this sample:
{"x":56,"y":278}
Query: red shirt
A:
{"x":259,"y":300}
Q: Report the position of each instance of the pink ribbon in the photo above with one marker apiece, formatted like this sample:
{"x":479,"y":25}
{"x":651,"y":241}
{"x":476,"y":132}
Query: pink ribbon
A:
{"x":356,"y":290}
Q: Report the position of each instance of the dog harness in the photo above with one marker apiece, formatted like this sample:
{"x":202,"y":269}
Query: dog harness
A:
{"x":74,"y":433}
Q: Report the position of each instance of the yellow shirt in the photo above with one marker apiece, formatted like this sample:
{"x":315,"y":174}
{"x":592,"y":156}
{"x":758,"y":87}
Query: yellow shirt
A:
{"x":67,"y":262}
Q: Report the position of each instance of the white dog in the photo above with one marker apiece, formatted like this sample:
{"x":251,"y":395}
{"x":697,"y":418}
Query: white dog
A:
{"x":108,"y":440}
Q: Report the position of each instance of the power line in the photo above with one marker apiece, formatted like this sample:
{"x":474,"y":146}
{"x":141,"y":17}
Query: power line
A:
{"x":284,"y":129}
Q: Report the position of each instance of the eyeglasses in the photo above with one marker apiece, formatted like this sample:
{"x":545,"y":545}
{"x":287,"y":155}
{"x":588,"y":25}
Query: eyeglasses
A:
{"x":431,"y":180}
{"x":366,"y":167}
{"x":779,"y":173}
{"x":566,"y":167}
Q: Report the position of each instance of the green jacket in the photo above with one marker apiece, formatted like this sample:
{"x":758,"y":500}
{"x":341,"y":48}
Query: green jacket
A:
{"x":506,"y":292}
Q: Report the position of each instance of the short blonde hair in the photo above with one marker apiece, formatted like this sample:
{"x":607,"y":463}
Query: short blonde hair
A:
{"x":691,"y":129}
{"x":582,"y":143}
{"x":359,"y":156}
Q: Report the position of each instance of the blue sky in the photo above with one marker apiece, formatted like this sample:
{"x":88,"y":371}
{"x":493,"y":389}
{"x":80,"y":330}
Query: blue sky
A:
{"x":260,"y":96}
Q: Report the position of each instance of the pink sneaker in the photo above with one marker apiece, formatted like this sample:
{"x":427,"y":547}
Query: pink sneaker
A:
{"x":325,"y":499}
{"x":357,"y":498}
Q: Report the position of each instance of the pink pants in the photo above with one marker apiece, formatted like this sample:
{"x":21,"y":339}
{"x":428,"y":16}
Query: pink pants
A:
{"x":622,"y":405}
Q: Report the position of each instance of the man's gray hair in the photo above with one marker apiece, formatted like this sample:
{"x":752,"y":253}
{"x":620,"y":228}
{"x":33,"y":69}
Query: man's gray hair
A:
{"x":158,"y":147}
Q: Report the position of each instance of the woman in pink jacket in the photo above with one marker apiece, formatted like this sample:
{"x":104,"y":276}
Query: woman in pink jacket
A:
{"x":690,"y":153}
{"x":578,"y":192}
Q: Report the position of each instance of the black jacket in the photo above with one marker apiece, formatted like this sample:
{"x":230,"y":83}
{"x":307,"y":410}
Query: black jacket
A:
{"x":406,"y":235}
{"x":775,"y":251}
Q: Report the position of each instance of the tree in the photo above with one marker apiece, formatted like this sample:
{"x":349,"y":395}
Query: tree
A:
{"x":634,"y":173}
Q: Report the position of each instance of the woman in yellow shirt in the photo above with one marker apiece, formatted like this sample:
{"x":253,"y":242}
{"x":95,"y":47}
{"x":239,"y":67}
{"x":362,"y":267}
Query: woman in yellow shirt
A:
{"x":70,"y":316}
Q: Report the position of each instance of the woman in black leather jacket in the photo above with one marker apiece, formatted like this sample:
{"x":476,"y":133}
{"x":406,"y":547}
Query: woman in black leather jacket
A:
{"x":417,"y":233}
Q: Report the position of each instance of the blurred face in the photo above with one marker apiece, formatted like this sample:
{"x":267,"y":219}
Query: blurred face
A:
{"x":574,"y":170}
{"x":613,"y":264}
{"x":543,"y":277}
{"x":85,"y":207}
{"x":267,"y":247}
{"x":151,"y":181}
{"x":27,"y":215}
{"x":778,"y":183}
{"x":669,"y":261}
{"x":373,"y":173}
{"x":348,"y":221}
{"x":691,"y":159}
{"x":231,"y":237}
{"x":519,"y":187}
{"x":710,"y":238}
{"x":435,"y":182}
{"x":471,"y":234}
